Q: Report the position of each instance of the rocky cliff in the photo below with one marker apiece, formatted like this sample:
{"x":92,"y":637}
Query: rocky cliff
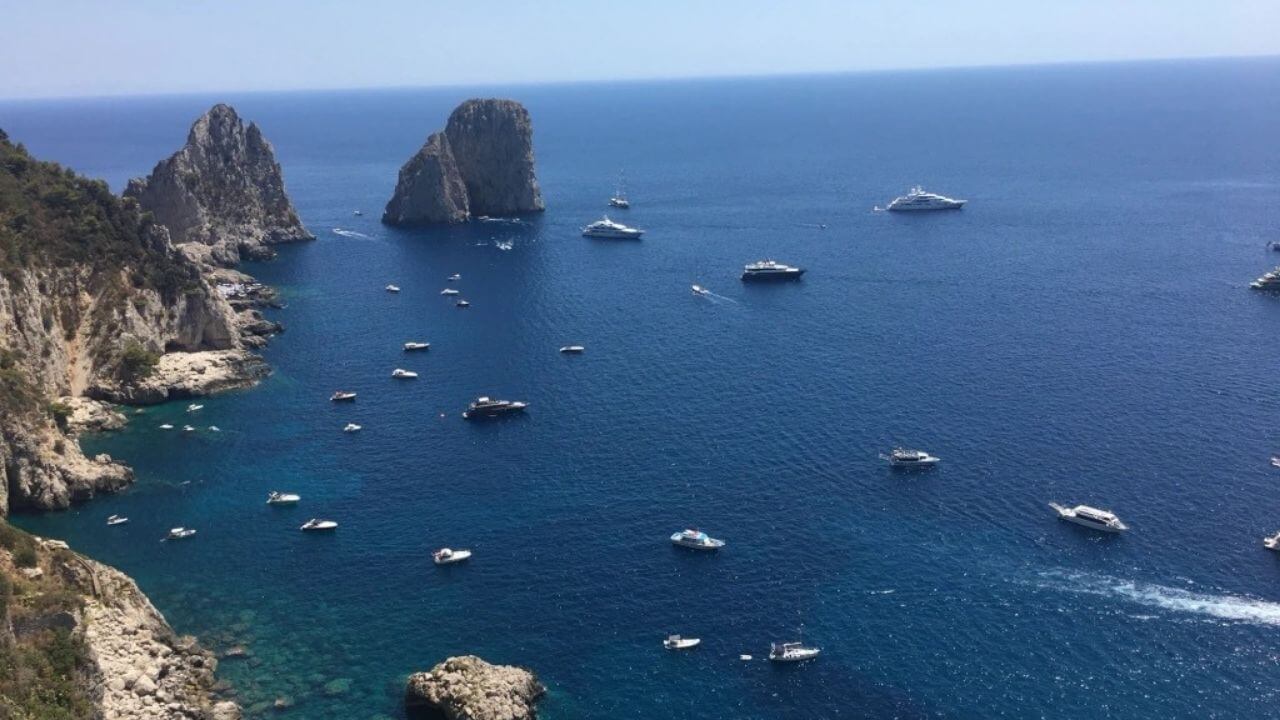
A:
{"x":482,"y":164}
{"x":222,"y":195}
{"x":468,"y":688}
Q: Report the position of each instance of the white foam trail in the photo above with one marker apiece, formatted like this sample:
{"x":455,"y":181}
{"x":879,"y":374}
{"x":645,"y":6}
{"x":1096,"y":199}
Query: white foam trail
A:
{"x":1239,"y":608}
{"x":350,"y":233}
{"x":504,"y":244}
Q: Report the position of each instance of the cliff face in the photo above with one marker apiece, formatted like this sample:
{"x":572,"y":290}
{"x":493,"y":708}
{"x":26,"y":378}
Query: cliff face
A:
{"x":482,"y":164}
{"x":222,"y":195}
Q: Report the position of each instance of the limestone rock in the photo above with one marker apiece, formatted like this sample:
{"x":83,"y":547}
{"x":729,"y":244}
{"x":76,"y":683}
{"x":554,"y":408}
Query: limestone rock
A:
{"x":430,"y":188}
{"x":468,"y":688}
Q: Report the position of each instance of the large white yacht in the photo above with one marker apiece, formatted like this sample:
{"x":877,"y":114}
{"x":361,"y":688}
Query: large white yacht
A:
{"x":918,"y":199}
{"x":696,"y":539}
{"x":1090,"y":517}
{"x":792,"y":652}
{"x":765,"y":270}
{"x":606,"y":228}
{"x":1270,"y":281}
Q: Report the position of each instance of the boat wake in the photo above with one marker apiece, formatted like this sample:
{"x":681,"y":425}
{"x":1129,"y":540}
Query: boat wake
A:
{"x":504,"y":244}
{"x":1237,"y":608}
{"x":350,"y":234}
{"x":509,"y":221}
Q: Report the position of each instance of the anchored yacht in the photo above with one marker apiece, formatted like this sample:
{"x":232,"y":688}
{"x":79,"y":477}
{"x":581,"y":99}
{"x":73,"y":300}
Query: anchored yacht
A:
{"x":1090,"y":517}
{"x":402,"y":374}
{"x":918,"y":199}
{"x":180,"y":533}
{"x":393,"y":288}
{"x":767,"y":270}
{"x":117,"y":520}
{"x":792,"y":652}
{"x":279,"y":498}
{"x":619,"y":199}
{"x":1271,"y":542}
{"x":606,"y":228}
{"x":573,"y":349}
{"x":908,"y":459}
{"x":1269,"y":282}
{"x":448,"y":556}
{"x":342,"y":396}
{"x":314,"y":525}
{"x":696,"y":539}
{"x":412,"y":346}
{"x":448,"y":291}
{"x":352,"y":428}
{"x":487,"y":407}
{"x":676,"y":642}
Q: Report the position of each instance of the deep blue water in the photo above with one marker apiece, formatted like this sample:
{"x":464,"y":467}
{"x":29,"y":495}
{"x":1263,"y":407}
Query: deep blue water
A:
{"x":1082,"y":332}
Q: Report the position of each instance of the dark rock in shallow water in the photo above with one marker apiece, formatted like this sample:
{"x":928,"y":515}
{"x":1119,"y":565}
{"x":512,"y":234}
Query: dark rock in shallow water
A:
{"x":468,"y":688}
{"x":482,"y":164}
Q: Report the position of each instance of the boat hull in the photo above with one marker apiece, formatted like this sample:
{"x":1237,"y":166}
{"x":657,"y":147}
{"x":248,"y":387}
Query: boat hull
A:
{"x":773,"y":276}
{"x":1092,"y":525}
{"x":926,"y":208}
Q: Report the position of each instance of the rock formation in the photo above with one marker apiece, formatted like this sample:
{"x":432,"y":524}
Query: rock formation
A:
{"x":222,"y":195}
{"x":468,"y":688}
{"x":482,"y":164}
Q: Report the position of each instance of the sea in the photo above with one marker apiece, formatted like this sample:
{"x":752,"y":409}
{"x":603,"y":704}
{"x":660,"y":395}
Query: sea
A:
{"x":1081,"y":332}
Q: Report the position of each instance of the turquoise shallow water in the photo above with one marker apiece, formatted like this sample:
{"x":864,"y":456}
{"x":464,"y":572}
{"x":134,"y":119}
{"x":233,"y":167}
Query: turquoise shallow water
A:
{"x":1080,"y":332}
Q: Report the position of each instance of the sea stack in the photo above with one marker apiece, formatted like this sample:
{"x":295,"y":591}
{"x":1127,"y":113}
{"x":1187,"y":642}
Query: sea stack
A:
{"x":468,"y":688}
{"x":482,"y":164}
{"x":222,"y":195}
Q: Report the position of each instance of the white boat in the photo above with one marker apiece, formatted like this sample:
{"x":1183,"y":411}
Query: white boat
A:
{"x":606,"y":228}
{"x":393,"y":288}
{"x":677,"y":642}
{"x":1271,"y":542}
{"x":188,"y":429}
{"x":194,"y":407}
{"x":908,"y":459}
{"x":792,"y":652}
{"x":357,"y":213}
{"x":573,"y":349}
{"x":619,"y":199}
{"x":1269,"y":282}
{"x":180,"y":533}
{"x":699,"y":290}
{"x":314,"y":525}
{"x":280,"y":498}
{"x":462,"y":304}
{"x":166,"y":426}
{"x":770,"y":270}
{"x":117,"y":520}
{"x":403,"y":374}
{"x":1090,"y":517}
{"x":696,"y":539}
{"x":455,"y":277}
{"x":412,"y":346}
{"x":1275,"y":459}
{"x":351,"y":427}
{"x":917,"y":199}
{"x":214,"y":428}
{"x":448,"y":291}
{"x":448,"y":556}
{"x":342,"y":396}
{"x":744,"y":657}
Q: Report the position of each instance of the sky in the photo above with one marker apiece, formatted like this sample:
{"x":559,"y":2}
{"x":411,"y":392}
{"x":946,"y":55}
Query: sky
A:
{"x":67,"y":48}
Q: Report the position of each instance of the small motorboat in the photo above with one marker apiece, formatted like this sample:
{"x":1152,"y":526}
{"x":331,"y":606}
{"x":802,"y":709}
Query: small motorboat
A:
{"x":117,"y":520}
{"x":448,"y":291}
{"x":455,"y":277}
{"x":393,"y":288}
{"x":314,"y":525}
{"x":906,"y":459}
{"x":1275,"y":459}
{"x":744,"y":657}
{"x":166,"y":426}
{"x":573,"y":349}
{"x":1271,"y":542}
{"x":792,"y":652}
{"x":180,"y":533}
{"x":412,"y":346}
{"x":342,"y":396}
{"x":448,"y":556}
{"x":676,"y":642}
{"x":462,"y":304}
{"x":403,"y":374}
{"x":214,"y":428}
{"x":1273,"y":245}
{"x":280,"y":498}
{"x":357,"y":213}
{"x":696,"y":539}
{"x":352,"y":427}
{"x":699,"y":290}
{"x":193,"y":407}
{"x":188,"y":429}
{"x":1090,"y":517}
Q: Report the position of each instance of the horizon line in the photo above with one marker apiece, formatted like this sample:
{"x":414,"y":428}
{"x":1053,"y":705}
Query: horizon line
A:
{"x":641,"y":79}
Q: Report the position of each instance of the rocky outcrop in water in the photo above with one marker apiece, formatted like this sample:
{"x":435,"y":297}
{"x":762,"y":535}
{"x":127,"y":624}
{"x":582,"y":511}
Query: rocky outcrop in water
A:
{"x":222,"y":195}
{"x":482,"y":164}
{"x":468,"y":688}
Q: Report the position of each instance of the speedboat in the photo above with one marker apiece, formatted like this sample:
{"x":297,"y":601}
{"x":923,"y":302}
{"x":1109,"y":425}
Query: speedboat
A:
{"x":411,"y":346}
{"x":792,"y":652}
{"x":180,"y":533}
{"x":462,"y":304}
{"x":351,"y":427}
{"x":342,"y":396}
{"x":279,"y":498}
{"x":619,"y":202}
{"x":166,"y":426}
{"x":1090,"y":517}
{"x":1271,"y":542}
{"x":188,"y":429}
{"x":769,"y":270}
{"x":455,"y":277}
{"x":487,"y":407}
{"x":314,"y":525}
{"x":909,"y":459}
{"x":403,"y":374}
{"x":676,"y":642}
{"x":393,"y":288}
{"x":194,"y":407}
{"x":448,"y":291}
{"x":918,"y":199}
{"x":573,"y":349}
{"x":1269,"y":281}
{"x":1275,"y":459}
{"x":117,"y":520}
{"x":214,"y":428}
{"x":699,"y":290}
{"x":448,"y":556}
{"x":696,"y":539}
{"x":606,"y":228}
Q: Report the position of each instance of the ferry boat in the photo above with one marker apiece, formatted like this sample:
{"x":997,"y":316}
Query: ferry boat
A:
{"x":792,"y":652}
{"x":696,"y":539}
{"x":412,"y":346}
{"x":768,"y":270}
{"x":279,"y":498}
{"x":179,"y":533}
{"x":448,"y":556}
{"x":314,"y":525}
{"x":918,"y":199}
{"x":606,"y":228}
{"x":117,"y":520}
{"x":1269,"y":282}
{"x":909,"y":459}
{"x":1271,"y":542}
{"x":402,"y":374}
{"x":1090,"y":517}
{"x":487,"y":407}
{"x":677,"y":642}
{"x":342,"y":396}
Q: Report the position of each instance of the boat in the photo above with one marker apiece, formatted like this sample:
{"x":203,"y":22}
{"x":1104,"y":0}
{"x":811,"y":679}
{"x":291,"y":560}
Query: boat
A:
{"x":166,"y":426}
{"x":351,"y":427}
{"x":342,"y":396}
{"x":279,"y":498}
{"x":393,"y":288}
{"x":179,"y":533}
{"x":455,"y":277}
{"x":357,"y":213}
{"x":194,"y":407}
{"x":411,"y":346}
{"x":1269,"y":282}
{"x":314,"y":525}
{"x":606,"y":228}
{"x":448,"y":556}
{"x":214,"y":428}
{"x":619,"y":199}
{"x":1275,"y":459}
{"x":917,"y":199}
{"x":1273,"y":245}
{"x":188,"y":429}
{"x":699,"y":290}
{"x":403,"y":374}
{"x":573,"y":349}
{"x":448,"y":291}
{"x":907,"y":459}
{"x":1271,"y":542}
{"x":770,"y":270}
{"x":487,"y":407}
{"x":792,"y":652}
{"x":676,"y":642}
{"x":696,"y":539}
{"x":117,"y":520}
{"x":462,"y":304}
{"x":744,"y":657}
{"x":1090,"y":517}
